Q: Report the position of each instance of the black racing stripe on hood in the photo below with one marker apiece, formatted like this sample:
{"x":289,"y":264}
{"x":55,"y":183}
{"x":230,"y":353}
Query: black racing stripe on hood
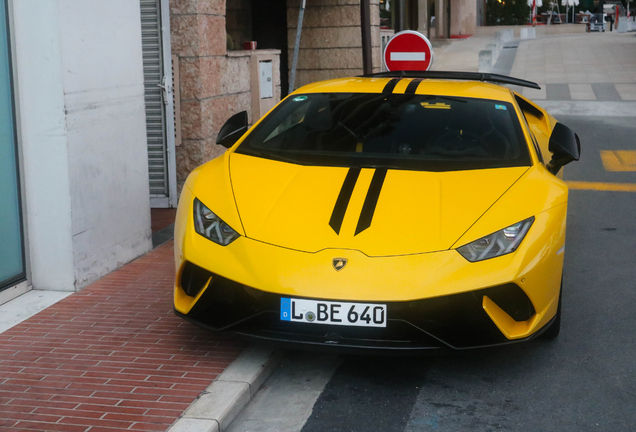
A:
{"x":390,"y":86}
{"x":412,"y":87}
{"x":339,"y":210}
{"x":366,"y":215}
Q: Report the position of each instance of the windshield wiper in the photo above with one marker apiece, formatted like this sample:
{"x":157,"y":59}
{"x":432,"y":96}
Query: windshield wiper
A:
{"x":350,"y":131}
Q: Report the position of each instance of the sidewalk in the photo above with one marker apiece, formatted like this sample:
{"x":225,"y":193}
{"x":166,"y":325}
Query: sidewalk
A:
{"x":110,"y":357}
{"x":576,"y":67}
{"x":589,"y":66}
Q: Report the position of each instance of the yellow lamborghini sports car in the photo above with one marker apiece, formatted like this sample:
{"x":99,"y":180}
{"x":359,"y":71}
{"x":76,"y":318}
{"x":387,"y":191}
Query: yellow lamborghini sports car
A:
{"x":395,"y":211}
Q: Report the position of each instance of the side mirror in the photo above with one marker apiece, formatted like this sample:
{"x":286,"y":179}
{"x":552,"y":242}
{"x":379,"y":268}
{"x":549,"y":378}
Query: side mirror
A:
{"x":565,"y":147}
{"x":232,"y":130}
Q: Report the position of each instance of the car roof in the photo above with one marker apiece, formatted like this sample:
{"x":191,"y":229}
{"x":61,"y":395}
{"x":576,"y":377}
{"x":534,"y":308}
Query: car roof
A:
{"x":439,"y":87}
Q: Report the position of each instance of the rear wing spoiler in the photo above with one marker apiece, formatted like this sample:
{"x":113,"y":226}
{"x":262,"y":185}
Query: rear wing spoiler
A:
{"x":468,"y":76}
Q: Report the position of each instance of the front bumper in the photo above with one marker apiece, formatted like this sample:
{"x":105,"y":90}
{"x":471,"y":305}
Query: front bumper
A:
{"x":434,"y":299}
{"x":456,"y":321}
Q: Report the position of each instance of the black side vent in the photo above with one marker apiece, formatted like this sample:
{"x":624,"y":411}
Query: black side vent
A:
{"x":512,"y":299}
{"x":194,"y":278}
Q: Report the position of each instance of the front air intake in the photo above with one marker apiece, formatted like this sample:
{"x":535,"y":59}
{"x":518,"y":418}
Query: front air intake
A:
{"x":194,"y":279}
{"x":512,"y":300}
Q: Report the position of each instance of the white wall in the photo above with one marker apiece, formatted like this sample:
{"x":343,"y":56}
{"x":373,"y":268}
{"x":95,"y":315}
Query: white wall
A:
{"x":106,"y":127}
{"x":80,"y":91}
{"x":42,"y":136}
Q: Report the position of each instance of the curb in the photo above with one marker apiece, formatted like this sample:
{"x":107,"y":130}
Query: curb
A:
{"x":220,"y":403}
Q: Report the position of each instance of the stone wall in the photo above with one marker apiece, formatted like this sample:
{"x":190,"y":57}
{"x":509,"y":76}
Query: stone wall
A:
{"x":215,"y":83}
{"x":214,"y":86}
{"x":331,"y":43}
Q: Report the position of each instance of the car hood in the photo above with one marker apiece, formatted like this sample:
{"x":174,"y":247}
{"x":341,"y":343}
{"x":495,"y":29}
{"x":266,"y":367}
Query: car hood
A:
{"x":376,"y":211}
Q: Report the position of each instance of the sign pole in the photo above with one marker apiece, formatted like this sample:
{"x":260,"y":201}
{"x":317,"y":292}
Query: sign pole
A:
{"x":365,"y":28}
{"x":299,"y":31}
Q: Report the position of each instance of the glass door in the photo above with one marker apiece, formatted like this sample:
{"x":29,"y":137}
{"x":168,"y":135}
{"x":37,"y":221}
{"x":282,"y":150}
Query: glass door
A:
{"x":11,"y":238}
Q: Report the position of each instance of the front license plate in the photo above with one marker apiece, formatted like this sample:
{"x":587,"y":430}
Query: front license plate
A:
{"x":335,"y":313}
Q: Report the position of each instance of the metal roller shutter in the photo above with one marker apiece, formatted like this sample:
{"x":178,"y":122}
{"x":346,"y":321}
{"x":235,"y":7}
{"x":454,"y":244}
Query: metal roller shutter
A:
{"x":158,"y":97}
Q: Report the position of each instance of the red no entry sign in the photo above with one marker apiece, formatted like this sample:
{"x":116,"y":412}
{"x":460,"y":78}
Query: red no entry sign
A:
{"x":408,"y":50}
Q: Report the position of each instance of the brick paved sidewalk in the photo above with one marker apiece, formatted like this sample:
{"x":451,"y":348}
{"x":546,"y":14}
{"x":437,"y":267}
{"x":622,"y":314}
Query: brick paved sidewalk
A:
{"x":111,"y":357}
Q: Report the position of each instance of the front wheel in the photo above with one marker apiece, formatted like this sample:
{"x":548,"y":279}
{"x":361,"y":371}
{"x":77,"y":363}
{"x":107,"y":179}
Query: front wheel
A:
{"x":555,"y":328}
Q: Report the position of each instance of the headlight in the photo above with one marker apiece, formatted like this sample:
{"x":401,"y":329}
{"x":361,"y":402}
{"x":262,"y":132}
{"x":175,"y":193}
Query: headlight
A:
{"x":496,"y":244}
{"x":211,"y":226}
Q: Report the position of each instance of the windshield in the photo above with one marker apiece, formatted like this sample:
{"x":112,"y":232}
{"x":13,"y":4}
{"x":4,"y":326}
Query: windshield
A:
{"x":400,"y":131}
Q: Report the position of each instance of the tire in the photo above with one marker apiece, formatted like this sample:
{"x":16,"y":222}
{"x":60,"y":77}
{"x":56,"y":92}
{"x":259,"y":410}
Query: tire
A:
{"x":555,"y":328}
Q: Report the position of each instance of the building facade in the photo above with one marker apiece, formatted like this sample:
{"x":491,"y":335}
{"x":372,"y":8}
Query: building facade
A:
{"x":75,"y":187}
{"x":437,"y":19}
{"x":217,"y":77}
{"x":106,"y":107}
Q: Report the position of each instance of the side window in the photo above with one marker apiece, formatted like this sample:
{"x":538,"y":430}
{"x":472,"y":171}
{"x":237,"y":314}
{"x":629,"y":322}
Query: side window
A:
{"x":536,"y":146}
{"x":537,"y":125}
{"x":534,"y":139}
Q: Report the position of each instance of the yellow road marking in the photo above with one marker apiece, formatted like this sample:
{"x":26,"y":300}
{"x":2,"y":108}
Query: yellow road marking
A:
{"x":614,"y":187}
{"x":619,"y":160}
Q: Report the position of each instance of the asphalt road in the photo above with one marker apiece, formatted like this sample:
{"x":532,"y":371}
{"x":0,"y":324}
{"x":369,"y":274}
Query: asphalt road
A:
{"x":585,"y":380}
